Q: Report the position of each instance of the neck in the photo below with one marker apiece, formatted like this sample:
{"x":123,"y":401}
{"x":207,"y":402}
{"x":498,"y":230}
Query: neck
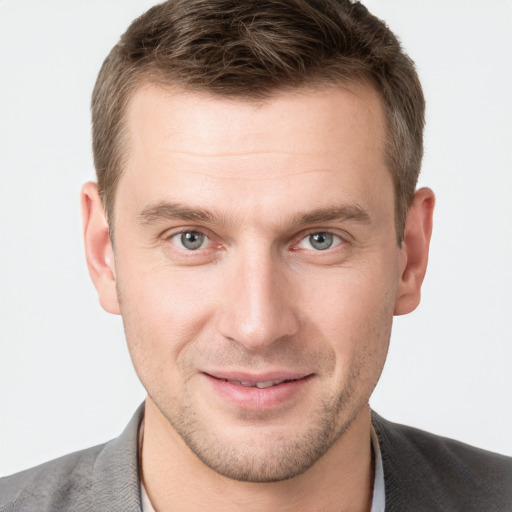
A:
{"x":176,"y":480}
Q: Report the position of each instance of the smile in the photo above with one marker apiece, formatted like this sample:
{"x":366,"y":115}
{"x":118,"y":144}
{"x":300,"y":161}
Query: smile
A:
{"x":261,"y":385}
{"x":258,"y":392}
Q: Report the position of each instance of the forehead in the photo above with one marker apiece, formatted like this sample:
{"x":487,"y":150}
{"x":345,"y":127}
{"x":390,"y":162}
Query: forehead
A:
{"x":304,"y":119}
{"x":190,"y":144}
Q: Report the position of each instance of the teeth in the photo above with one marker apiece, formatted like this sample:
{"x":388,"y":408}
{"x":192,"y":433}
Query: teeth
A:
{"x":268,"y":383}
{"x":260,"y":385}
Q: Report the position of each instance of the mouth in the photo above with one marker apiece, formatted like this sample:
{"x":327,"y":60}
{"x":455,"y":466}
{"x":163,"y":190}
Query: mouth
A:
{"x":259,"y":384}
{"x":258,"y":392}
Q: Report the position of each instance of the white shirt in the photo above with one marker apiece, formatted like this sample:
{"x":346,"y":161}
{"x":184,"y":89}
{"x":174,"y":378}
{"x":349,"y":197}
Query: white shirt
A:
{"x":379,"y":494}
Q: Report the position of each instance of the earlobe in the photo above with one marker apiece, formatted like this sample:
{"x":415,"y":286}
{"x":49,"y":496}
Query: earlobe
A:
{"x":98,"y":248}
{"x":414,"y":251}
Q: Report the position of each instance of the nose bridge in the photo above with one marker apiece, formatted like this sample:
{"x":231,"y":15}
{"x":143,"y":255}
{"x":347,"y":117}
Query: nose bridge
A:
{"x":259,"y":307}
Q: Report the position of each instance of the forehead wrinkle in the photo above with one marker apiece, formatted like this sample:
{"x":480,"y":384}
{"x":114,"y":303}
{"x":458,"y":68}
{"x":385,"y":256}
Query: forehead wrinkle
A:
{"x":239,"y":175}
{"x":291,"y":152}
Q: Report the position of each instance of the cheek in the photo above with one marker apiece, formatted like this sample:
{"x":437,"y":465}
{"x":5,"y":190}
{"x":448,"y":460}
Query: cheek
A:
{"x":353,"y":312}
{"x":163,"y":311}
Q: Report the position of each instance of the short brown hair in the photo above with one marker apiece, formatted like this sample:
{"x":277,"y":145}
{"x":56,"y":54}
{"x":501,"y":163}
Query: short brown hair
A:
{"x":251,"y":49}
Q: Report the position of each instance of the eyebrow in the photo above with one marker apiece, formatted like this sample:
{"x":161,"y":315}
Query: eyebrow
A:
{"x":176,"y":211}
{"x":346,"y":213}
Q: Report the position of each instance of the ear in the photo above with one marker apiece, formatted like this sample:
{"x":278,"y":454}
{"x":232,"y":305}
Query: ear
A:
{"x":98,"y":248}
{"x":414,"y":251}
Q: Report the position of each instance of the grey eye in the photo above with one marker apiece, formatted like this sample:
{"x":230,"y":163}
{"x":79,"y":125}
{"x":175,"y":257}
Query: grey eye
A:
{"x":190,"y":240}
{"x":320,"y":241}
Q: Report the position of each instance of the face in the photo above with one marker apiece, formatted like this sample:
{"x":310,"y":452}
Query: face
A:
{"x":257,"y":269}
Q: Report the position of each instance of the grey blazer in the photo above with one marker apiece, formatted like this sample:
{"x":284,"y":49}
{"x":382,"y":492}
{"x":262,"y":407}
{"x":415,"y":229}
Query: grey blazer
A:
{"x":422,"y":472}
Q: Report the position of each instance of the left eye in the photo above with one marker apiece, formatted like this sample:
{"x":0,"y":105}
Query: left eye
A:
{"x":190,"y":240}
{"x":320,"y":241}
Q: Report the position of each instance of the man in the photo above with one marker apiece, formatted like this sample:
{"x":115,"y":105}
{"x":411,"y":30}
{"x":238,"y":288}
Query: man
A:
{"x":256,"y":225}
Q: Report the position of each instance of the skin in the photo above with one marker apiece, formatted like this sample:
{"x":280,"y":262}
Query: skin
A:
{"x":257,"y":296}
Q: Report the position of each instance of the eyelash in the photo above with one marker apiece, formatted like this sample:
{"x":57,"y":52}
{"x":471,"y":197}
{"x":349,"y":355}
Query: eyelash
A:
{"x":188,"y":230}
{"x":334,"y":236}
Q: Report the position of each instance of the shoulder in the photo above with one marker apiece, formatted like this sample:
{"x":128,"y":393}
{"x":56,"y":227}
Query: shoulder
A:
{"x":53,"y":485}
{"x":437,"y":473}
{"x":104,"y":477}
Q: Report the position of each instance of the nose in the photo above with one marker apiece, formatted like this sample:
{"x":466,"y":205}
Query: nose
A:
{"x":258,"y":301}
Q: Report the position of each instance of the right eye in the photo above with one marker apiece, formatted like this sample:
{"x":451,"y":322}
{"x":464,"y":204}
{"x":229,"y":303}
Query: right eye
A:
{"x":190,"y":240}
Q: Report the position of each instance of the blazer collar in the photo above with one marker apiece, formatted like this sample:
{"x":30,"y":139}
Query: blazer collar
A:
{"x":116,"y":485}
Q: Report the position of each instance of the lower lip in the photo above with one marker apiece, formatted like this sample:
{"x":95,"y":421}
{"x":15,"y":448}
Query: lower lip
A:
{"x":254,"y":398}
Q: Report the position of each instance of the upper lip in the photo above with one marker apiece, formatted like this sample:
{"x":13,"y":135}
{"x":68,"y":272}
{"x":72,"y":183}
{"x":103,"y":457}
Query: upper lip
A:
{"x":257,"y":377}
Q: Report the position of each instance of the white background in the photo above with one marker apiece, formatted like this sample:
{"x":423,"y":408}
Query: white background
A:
{"x":66,"y":381}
